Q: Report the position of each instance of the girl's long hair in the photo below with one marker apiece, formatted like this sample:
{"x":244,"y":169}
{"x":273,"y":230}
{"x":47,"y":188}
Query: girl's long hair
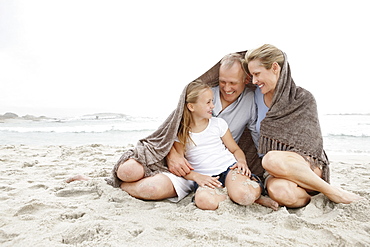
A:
{"x":192,"y":93}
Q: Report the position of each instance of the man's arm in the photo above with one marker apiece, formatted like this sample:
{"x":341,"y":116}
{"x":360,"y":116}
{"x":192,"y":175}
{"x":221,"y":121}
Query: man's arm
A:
{"x":177,"y":164}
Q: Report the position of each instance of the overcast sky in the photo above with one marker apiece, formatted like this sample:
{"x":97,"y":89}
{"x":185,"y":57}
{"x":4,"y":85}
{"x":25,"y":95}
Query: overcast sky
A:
{"x":66,"y":58}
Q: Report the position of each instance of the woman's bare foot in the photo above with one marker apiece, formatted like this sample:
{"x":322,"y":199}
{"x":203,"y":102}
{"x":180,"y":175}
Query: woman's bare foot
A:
{"x":342,"y":196}
{"x":267,"y":202}
{"x":77,"y":178}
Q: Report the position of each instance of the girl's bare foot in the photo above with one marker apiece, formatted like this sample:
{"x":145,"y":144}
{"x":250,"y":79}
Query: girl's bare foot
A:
{"x":77,"y":178}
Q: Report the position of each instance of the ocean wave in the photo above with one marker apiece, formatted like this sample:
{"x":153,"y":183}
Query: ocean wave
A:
{"x":73,"y":130}
{"x":358,"y":135}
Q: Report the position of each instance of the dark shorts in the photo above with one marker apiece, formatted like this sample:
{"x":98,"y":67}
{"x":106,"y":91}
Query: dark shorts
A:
{"x":222,"y":178}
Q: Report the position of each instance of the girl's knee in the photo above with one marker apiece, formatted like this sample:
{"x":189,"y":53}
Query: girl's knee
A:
{"x":207,"y":201}
{"x":246,"y":194}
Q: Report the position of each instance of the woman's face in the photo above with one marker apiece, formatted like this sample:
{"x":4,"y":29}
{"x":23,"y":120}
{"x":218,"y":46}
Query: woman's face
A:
{"x":265,"y":79}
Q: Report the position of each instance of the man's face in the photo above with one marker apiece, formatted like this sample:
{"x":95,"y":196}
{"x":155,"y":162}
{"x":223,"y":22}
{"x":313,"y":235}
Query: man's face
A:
{"x":231,"y":82}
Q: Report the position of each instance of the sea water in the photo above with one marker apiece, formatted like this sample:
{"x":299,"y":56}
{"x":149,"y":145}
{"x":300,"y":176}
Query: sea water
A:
{"x":107,"y":129}
{"x":342,"y":133}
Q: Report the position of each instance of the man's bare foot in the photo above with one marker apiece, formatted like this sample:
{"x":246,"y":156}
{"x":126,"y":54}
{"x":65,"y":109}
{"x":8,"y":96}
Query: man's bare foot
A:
{"x":342,"y":196}
{"x":267,"y":202}
{"x":77,"y":178}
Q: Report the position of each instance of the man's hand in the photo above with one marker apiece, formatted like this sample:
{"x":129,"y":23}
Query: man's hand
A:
{"x":177,"y":164}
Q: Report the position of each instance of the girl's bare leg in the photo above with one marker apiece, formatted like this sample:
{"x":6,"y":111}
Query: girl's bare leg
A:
{"x":244,"y":191}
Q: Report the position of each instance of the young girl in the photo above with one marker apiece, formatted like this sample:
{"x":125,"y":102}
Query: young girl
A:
{"x":207,"y":144}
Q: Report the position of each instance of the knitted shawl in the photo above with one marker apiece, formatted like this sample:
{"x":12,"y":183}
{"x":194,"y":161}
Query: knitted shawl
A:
{"x":152,"y":150}
{"x":292,"y":123}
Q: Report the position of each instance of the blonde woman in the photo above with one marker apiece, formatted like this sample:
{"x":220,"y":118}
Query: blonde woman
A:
{"x":290,"y":136}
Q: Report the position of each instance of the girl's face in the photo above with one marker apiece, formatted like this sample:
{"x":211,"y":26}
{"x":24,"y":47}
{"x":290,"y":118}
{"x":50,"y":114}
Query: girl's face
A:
{"x":204,"y":105}
{"x":265,"y":79}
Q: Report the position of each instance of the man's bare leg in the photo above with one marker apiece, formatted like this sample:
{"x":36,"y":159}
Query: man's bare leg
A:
{"x":157,"y":187}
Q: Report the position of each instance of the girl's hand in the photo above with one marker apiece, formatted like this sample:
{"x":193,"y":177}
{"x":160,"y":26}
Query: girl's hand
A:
{"x":241,"y":168}
{"x":204,"y":180}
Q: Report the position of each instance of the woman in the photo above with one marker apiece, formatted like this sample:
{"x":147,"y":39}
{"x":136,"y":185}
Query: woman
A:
{"x":290,"y":135}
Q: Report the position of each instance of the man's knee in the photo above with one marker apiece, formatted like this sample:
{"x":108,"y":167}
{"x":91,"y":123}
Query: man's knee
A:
{"x":130,"y":171}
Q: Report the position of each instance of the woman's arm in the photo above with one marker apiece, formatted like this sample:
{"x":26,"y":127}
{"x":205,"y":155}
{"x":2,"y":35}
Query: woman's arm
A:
{"x":233,"y":147}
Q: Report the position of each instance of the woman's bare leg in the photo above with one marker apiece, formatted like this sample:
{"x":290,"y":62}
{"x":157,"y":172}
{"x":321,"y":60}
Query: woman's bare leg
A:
{"x":294,"y":168}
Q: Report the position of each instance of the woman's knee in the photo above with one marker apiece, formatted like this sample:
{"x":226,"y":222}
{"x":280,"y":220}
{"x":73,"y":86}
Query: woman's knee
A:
{"x":289,"y":196}
{"x":270,"y":160}
{"x":130,"y":171}
{"x":277,"y":163}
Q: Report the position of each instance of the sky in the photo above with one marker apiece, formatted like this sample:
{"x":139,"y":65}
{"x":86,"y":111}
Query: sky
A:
{"x":76,"y":57}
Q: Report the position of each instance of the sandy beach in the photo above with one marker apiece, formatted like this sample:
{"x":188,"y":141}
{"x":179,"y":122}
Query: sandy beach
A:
{"x":38,"y":208}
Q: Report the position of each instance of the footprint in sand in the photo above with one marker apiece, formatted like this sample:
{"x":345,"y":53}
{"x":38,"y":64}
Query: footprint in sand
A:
{"x":31,"y":208}
{"x":72,"y":192}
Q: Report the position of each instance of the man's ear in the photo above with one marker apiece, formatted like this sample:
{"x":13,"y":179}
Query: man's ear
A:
{"x":190,"y":107}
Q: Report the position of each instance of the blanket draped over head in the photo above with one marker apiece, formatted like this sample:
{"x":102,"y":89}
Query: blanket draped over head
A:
{"x":292,"y":123}
{"x":151,"y":151}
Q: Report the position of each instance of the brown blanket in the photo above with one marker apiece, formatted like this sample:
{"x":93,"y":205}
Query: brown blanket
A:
{"x":152,"y":150}
{"x":292,"y":123}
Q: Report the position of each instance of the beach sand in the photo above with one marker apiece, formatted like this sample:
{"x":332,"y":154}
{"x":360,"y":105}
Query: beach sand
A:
{"x":38,"y":208}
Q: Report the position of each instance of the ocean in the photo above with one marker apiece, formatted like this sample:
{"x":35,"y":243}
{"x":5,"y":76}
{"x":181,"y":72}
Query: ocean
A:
{"x":343,"y":133}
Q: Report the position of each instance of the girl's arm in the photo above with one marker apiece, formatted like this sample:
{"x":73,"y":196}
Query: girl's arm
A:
{"x":203,"y":180}
{"x":233,"y":147}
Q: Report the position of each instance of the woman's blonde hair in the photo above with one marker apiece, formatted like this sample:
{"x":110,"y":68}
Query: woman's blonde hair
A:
{"x":193,"y":91}
{"x":267,"y":54}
